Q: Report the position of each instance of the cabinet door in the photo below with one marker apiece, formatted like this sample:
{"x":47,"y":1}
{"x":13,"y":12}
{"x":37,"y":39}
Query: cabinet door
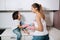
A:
{"x":57,"y":19}
{"x":26,"y":4}
{"x":13,"y":5}
{"x":2,"y":4}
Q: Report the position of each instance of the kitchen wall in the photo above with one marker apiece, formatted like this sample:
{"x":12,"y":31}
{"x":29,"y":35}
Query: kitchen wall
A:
{"x":13,"y":5}
{"x":6,"y":18}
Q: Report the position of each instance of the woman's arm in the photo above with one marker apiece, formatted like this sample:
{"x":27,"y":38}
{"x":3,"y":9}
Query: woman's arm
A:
{"x":40,"y":26}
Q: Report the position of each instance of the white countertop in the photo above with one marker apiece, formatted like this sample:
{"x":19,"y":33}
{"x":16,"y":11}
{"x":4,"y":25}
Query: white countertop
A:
{"x":9,"y":33}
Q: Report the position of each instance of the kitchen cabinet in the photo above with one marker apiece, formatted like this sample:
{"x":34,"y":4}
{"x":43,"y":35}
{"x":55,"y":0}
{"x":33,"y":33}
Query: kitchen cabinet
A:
{"x":26,"y":4}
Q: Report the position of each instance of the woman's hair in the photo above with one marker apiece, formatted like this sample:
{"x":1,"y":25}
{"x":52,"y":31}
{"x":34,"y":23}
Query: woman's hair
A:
{"x":36,"y":5}
{"x":15,"y":15}
{"x":39,"y":8}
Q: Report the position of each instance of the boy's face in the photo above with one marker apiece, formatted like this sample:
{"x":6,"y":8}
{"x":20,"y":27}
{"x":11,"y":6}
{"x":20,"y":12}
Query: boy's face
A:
{"x":19,"y":15}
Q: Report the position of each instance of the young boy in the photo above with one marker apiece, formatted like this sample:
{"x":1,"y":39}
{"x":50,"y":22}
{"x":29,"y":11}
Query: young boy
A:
{"x":17,"y":26}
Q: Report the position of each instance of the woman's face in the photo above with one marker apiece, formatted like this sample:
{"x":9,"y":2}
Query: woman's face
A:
{"x":33,"y":9}
{"x":19,"y":16}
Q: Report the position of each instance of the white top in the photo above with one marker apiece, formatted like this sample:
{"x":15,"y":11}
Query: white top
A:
{"x":15,"y":24}
{"x":44,"y":32}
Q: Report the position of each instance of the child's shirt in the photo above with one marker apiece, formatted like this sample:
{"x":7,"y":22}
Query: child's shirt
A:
{"x":15,"y":24}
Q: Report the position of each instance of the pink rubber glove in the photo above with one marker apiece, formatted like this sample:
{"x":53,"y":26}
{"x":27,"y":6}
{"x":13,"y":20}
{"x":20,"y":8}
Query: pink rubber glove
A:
{"x":25,"y":25}
{"x":31,"y":27}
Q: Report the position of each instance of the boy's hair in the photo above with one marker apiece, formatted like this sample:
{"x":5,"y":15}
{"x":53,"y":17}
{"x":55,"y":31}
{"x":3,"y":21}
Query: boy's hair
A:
{"x":15,"y":15}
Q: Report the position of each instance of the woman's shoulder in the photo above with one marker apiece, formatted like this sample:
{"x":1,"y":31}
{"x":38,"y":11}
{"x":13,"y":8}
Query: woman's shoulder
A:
{"x":40,"y":17}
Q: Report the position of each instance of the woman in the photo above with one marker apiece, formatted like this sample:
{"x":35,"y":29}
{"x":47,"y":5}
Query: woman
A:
{"x":41,"y":32}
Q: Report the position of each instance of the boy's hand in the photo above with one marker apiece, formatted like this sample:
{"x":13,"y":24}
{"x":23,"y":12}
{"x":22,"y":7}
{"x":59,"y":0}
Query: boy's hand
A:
{"x":25,"y":25}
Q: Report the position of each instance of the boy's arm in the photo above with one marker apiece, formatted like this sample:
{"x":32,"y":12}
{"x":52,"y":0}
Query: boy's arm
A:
{"x":20,"y":26}
{"x":23,"y":26}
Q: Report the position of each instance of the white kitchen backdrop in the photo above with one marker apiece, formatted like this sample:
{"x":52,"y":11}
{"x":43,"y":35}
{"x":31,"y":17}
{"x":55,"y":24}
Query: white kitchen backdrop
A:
{"x":26,"y":4}
{"x":8,"y":6}
{"x":6,"y":18}
{"x":23,"y":5}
